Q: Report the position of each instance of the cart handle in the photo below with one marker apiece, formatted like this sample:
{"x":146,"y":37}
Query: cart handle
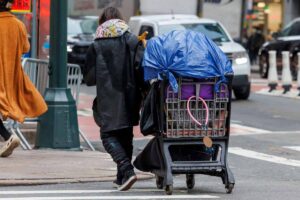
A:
{"x":191,"y":115}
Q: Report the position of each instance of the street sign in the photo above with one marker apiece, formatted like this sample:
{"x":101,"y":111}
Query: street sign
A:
{"x":21,"y":6}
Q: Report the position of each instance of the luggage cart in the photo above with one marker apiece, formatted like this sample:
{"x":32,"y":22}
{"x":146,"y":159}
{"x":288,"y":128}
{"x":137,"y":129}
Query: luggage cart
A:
{"x":181,"y":139}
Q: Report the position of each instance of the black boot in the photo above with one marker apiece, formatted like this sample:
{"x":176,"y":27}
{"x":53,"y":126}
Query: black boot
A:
{"x":112,"y":145}
{"x":118,"y":181}
{"x":129,"y":178}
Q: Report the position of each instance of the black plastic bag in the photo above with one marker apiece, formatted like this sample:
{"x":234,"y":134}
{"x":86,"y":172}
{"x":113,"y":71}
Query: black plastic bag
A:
{"x":151,"y":158}
{"x":150,"y":117}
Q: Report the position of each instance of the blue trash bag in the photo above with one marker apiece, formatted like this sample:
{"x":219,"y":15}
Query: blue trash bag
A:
{"x":186,"y":54}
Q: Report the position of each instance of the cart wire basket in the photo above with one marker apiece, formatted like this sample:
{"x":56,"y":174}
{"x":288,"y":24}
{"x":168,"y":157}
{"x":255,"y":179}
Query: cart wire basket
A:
{"x":195,"y":117}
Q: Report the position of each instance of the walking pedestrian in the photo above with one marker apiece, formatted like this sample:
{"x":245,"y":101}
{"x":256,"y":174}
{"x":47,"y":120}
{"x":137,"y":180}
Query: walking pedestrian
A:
{"x":18,"y":97}
{"x":110,"y":65}
{"x":255,"y":41}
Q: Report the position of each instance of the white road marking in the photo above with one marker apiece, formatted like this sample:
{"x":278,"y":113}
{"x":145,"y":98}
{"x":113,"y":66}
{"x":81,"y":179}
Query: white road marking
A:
{"x":86,"y":112}
{"x":89,"y":192}
{"x":261,"y":156}
{"x":235,"y":121}
{"x":56,"y":192}
{"x":115,"y":197}
{"x":296,"y":148}
{"x":264,"y":133}
{"x":247,"y":130}
{"x":239,"y":130}
{"x":259,"y":81}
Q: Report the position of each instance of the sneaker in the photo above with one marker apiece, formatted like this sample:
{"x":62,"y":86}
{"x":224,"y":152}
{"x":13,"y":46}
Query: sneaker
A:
{"x":12,"y":143}
{"x":128,"y":180}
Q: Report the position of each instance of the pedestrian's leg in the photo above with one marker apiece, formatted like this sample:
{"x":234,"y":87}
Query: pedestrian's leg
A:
{"x":251,"y":57}
{"x":119,"y":177}
{"x":11,"y":143}
{"x":126,"y":139}
{"x":113,"y":146}
{"x":3,"y":132}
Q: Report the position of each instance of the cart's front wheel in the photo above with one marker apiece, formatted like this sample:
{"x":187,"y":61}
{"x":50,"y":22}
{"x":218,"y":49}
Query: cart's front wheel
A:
{"x":190,"y":181}
{"x":159,"y":182}
{"x":229,"y":188}
{"x":169,"y":189}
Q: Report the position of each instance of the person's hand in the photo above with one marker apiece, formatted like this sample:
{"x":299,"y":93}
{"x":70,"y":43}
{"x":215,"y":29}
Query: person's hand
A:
{"x":143,"y":37}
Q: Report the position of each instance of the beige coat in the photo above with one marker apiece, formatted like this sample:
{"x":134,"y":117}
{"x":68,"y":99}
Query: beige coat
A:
{"x":18,"y":96}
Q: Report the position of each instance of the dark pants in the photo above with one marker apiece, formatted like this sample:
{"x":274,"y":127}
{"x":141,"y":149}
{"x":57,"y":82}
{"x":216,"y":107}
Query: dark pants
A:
{"x":118,"y":144}
{"x":3,"y":132}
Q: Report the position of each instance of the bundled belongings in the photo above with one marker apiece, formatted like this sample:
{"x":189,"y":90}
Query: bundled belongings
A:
{"x":186,"y":54}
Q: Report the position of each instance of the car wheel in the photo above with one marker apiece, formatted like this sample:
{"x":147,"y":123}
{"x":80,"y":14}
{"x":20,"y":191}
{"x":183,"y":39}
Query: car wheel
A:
{"x":263,"y":65}
{"x":242,"y":93}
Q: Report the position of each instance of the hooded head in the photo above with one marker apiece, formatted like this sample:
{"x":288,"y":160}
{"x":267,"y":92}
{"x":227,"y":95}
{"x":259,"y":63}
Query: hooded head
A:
{"x":111,"y":24}
{"x":5,"y":5}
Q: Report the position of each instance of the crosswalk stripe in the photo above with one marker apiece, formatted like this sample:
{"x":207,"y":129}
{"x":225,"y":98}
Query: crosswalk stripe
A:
{"x":56,"y":192}
{"x":296,"y":148}
{"x":261,"y":156}
{"x":237,"y":129}
{"x":115,"y":197}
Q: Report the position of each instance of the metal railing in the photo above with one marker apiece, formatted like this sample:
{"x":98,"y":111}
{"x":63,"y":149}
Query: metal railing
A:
{"x":37,"y":70}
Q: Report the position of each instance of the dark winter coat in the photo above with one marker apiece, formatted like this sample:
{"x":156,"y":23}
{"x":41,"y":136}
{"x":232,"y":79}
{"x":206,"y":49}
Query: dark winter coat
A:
{"x":111,"y":65}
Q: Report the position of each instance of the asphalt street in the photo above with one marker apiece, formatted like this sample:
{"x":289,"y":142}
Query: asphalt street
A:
{"x":256,"y":178}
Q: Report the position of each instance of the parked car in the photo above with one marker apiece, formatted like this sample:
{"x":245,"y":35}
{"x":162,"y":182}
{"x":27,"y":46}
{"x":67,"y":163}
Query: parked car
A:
{"x":160,"y":24}
{"x":81,"y":33}
{"x":288,"y":39}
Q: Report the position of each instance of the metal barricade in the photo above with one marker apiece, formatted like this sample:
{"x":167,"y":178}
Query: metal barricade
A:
{"x":37,"y":70}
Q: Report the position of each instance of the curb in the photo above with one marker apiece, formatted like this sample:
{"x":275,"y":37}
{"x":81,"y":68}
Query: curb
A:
{"x":28,"y":182}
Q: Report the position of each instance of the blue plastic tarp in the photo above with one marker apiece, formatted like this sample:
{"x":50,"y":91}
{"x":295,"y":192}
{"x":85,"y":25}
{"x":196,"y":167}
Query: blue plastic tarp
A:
{"x":185,"y":54}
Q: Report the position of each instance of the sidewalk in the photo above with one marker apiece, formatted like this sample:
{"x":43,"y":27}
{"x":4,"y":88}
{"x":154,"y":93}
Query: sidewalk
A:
{"x":36,"y":167}
{"x":52,"y":166}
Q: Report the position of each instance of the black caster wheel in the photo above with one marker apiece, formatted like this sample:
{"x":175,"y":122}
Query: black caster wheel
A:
{"x":229,"y":188}
{"x":190,"y":181}
{"x":159,"y":182}
{"x":169,"y":189}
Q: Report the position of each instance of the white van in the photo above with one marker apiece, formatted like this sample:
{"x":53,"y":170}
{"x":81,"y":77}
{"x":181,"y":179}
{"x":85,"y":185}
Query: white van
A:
{"x":160,"y":24}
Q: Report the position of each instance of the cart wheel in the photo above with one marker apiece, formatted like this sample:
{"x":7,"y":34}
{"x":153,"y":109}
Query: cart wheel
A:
{"x":159,"y":182}
{"x":169,"y":189}
{"x":229,"y":188}
{"x":190,"y":181}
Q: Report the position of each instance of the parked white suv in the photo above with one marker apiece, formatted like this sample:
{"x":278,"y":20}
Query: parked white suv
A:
{"x":160,"y":24}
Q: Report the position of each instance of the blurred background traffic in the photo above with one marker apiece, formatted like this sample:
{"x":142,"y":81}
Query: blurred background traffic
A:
{"x":257,"y":25}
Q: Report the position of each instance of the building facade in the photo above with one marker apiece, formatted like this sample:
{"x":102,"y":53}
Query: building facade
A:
{"x":238,"y":16}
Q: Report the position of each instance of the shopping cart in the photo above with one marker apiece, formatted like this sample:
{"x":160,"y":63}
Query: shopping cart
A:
{"x":194,"y":134}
